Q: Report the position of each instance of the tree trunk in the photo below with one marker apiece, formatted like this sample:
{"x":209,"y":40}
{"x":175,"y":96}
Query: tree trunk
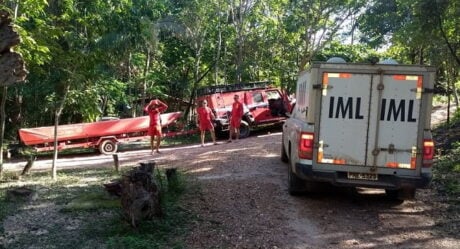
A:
{"x":446,"y":40}
{"x":452,"y":79}
{"x":133,"y":103}
{"x":2,"y":123}
{"x":196,"y":80}
{"x":29,"y":164}
{"x":219,"y":47}
{"x":240,"y":37}
{"x":57,"y":115}
{"x":12,"y":69}
{"x":237,"y":18}
{"x":144,"y":83}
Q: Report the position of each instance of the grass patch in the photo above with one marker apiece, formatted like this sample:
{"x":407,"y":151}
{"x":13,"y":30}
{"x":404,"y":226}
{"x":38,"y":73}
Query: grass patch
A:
{"x":91,"y":201}
{"x":181,"y":140}
{"x":87,"y":217}
{"x":6,"y":207}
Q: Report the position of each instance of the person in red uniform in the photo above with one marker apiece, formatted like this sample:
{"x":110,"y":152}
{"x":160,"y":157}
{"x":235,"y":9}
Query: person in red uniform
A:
{"x":154,"y":109}
{"x":205,"y":117}
{"x":235,"y":119}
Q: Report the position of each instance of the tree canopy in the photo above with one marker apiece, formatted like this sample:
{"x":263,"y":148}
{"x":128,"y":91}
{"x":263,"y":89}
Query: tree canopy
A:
{"x":96,"y":58}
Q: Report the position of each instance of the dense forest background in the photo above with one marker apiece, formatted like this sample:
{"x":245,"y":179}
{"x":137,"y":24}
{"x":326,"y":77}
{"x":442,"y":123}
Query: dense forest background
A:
{"x":93,"y":58}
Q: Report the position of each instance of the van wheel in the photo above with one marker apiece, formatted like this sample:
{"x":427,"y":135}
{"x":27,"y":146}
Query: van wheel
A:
{"x":296,"y":186}
{"x":284,"y":156}
{"x":108,"y":147}
{"x":244,"y":129}
{"x":401,"y":194}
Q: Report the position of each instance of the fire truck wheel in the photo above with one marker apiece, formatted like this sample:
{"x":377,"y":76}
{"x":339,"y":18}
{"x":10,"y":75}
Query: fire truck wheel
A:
{"x":108,"y":147}
{"x":244,"y":129}
{"x":220,"y":134}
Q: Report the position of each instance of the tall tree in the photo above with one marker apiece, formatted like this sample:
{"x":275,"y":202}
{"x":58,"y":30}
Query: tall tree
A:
{"x":12,"y":68}
{"x":405,"y":26}
{"x":317,"y":23}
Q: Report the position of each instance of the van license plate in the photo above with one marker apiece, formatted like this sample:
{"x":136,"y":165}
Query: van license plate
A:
{"x":363,"y":176}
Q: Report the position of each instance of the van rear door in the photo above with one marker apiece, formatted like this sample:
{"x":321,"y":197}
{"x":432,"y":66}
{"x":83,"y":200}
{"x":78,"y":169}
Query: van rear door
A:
{"x":344,"y":118}
{"x":369,"y":120}
{"x":394,"y":126}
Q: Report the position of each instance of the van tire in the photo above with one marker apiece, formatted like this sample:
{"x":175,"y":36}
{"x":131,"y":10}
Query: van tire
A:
{"x":244,"y":129}
{"x":108,"y":147}
{"x":296,"y":186}
{"x":284,"y":156}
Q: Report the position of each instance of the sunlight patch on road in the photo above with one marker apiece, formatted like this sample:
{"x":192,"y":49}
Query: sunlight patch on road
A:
{"x":234,"y":150}
{"x":214,"y":177}
{"x":205,"y":169}
{"x":205,"y":160}
{"x":271,"y":134}
{"x":38,"y":206}
{"x":270,"y":155}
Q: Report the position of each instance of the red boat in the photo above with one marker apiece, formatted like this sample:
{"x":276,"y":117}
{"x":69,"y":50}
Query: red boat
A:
{"x":102,"y":135}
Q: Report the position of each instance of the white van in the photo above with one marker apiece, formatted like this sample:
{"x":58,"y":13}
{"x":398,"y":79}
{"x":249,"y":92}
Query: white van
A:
{"x":361,"y":125}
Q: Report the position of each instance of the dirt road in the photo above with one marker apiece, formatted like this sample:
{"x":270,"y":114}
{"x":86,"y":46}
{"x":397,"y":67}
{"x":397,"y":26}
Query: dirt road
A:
{"x":244,"y":204}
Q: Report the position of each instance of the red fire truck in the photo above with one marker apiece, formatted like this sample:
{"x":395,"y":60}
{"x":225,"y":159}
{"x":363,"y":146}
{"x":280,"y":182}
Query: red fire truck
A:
{"x":102,"y":135}
{"x":263,"y":105}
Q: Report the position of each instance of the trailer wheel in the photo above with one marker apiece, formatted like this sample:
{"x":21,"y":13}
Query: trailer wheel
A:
{"x":108,"y":147}
{"x":244,"y":129}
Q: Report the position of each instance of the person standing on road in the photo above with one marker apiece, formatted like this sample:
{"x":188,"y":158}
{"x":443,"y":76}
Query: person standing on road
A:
{"x":154,"y":109}
{"x":204,"y":119}
{"x":235,"y":118}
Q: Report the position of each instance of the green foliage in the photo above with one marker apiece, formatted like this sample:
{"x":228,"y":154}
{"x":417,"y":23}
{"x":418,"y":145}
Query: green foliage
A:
{"x":417,"y":32}
{"x":447,"y":172}
{"x":351,"y":53}
{"x":114,"y":54}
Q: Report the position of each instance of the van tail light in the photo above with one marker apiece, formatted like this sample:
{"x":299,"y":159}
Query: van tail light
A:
{"x":306,"y":145}
{"x":428,"y":153}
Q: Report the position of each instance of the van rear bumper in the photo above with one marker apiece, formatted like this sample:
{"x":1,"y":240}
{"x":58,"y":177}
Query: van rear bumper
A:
{"x":339,"y":178}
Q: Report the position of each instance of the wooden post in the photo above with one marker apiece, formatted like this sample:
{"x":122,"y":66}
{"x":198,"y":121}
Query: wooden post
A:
{"x":116,"y":162}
